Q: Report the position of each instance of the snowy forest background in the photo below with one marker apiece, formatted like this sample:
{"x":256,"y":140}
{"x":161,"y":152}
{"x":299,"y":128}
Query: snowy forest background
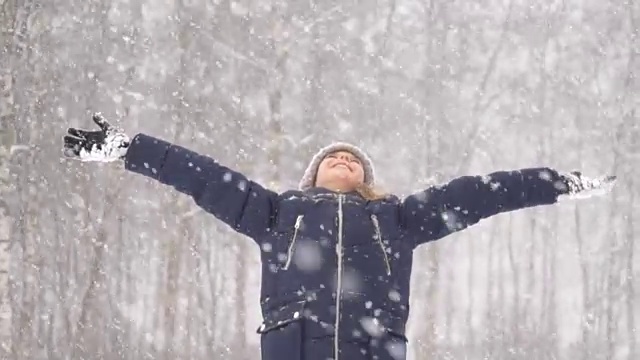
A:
{"x":105,"y":264}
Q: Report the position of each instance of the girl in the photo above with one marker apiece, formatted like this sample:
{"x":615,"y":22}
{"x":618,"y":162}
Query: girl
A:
{"x":336,"y":256}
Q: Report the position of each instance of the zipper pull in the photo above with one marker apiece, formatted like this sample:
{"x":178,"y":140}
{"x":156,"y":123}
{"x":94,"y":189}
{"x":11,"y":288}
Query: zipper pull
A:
{"x":376,"y":225}
{"x":296,"y":227}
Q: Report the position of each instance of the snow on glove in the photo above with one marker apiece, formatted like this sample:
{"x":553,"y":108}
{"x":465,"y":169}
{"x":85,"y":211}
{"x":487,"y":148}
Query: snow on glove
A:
{"x":107,"y":144}
{"x":580,"y":186}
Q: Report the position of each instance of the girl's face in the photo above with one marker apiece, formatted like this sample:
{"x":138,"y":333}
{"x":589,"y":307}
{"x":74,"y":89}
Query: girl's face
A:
{"x":340,"y":171}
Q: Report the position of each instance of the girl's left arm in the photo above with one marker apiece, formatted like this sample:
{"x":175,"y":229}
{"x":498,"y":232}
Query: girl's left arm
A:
{"x":439,"y":211}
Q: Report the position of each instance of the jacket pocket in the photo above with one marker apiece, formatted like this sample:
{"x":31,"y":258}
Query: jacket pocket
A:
{"x":397,"y":335}
{"x":282,"y":316}
{"x":282,"y":332}
{"x":391,"y":346}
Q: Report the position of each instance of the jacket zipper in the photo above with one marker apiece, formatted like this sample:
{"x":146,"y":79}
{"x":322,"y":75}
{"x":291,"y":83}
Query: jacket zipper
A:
{"x":339,"y":253}
{"x":376,"y":224}
{"x":293,"y":241}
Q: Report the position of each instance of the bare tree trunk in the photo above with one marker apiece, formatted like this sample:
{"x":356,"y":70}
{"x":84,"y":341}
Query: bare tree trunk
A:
{"x":449,"y":309}
{"x":471,"y":330}
{"x":630,"y":235}
{"x":552,"y":306}
{"x":212,"y":263}
{"x":10,"y":29}
{"x":613,"y":264}
{"x":315,"y":113}
{"x":276,"y":86}
{"x":500,"y":302}
{"x":630,"y":122}
{"x":171,"y":293}
{"x":493,"y":338}
{"x":25,"y":258}
{"x":630,"y":290}
{"x":515,"y":272}
{"x":587,"y":316}
{"x":7,"y":146}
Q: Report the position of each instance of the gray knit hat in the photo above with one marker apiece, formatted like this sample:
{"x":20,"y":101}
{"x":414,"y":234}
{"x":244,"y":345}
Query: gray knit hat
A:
{"x":309,"y":177}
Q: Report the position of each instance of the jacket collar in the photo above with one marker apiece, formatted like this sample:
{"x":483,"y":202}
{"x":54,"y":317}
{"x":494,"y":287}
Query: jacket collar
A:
{"x":322,"y":190}
{"x":352,"y":197}
{"x":324,"y":193}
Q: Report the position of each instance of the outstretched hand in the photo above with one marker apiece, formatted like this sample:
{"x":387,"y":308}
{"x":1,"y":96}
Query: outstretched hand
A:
{"x":107,"y":144}
{"x":580,"y":186}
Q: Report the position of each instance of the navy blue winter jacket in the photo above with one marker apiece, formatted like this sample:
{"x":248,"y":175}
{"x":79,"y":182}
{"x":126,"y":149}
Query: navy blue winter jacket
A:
{"x":335,"y":267}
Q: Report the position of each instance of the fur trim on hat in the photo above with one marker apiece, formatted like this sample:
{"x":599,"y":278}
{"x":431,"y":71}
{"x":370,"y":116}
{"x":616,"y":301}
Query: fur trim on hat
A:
{"x":310,"y":173}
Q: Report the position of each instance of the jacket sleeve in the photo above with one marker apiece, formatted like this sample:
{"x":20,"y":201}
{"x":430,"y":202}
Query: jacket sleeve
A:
{"x":242,"y":204}
{"x":439,"y":211}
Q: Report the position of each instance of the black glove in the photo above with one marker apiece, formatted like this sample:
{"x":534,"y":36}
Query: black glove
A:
{"x":108,"y":144}
{"x":579,"y":185}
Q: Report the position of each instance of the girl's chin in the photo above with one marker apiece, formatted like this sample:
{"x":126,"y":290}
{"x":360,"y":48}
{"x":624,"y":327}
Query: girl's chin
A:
{"x":341,"y":172}
{"x":345,"y":177}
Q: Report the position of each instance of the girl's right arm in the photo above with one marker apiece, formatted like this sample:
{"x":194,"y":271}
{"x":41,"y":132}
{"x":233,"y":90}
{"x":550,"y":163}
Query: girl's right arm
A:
{"x":227,"y":194}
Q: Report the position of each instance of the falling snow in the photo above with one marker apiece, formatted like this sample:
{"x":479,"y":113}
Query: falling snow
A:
{"x":108,"y":264}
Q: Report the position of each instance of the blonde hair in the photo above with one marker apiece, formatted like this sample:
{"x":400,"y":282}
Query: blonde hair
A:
{"x":370,"y":193}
